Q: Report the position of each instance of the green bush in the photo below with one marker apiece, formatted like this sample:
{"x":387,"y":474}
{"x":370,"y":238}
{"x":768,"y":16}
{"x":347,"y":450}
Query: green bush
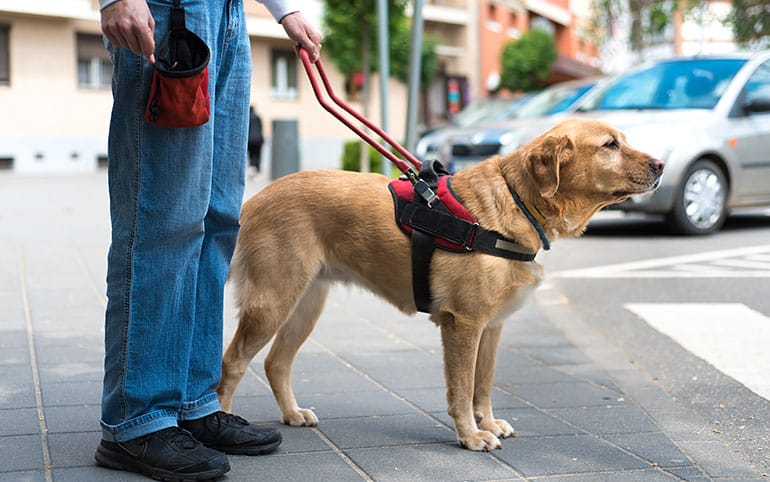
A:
{"x":526,"y":62}
{"x":351,"y":153}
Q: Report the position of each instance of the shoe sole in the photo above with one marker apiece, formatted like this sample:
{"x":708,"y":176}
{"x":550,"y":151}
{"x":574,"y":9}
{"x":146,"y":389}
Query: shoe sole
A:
{"x":117,"y":461}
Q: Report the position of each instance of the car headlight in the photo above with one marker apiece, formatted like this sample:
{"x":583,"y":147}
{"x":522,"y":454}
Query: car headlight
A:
{"x":509,"y":142}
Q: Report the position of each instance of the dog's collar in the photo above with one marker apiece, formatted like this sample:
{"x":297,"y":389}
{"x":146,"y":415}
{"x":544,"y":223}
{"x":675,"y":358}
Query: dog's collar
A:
{"x":532,"y":219}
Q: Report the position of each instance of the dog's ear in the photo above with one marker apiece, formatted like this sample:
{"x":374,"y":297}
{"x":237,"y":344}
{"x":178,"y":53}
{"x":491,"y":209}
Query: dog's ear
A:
{"x":543,"y":161}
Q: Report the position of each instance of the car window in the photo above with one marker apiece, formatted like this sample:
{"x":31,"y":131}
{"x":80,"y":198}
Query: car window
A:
{"x":486,"y":110}
{"x":552,"y":100}
{"x":758,"y":85}
{"x":679,"y":84}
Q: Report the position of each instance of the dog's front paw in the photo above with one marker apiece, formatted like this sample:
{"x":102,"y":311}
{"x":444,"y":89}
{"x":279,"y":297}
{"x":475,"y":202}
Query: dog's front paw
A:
{"x":480,"y":440}
{"x":498,"y":427}
{"x":301,"y":417}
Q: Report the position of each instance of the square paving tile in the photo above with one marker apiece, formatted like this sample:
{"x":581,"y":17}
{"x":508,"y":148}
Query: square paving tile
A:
{"x":310,"y":467}
{"x":16,"y":374}
{"x":74,"y":449}
{"x":444,"y":462}
{"x":73,"y":393}
{"x":402,"y":377}
{"x":565,"y":454}
{"x":19,"y":421}
{"x":21,"y":452}
{"x":72,"y":418}
{"x":14,"y":355}
{"x":24,"y":476}
{"x":338,"y":380}
{"x":535,"y":375}
{"x":384,"y":431}
{"x":71,"y":372}
{"x":655,"y":447}
{"x":650,"y":475}
{"x":566,"y":395}
{"x":95,"y":474}
{"x":17,"y":396}
{"x":612,"y":419}
{"x":358,"y":404}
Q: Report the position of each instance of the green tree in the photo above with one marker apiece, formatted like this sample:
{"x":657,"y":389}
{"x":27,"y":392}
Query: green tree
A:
{"x":527,"y":61}
{"x":350,"y":28}
{"x":649,"y":19}
{"x":750,"y":21}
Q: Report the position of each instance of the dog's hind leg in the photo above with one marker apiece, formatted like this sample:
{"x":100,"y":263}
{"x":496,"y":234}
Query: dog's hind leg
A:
{"x":484,"y":382}
{"x":287,"y":342}
{"x":255,"y":328}
{"x":264,"y":307}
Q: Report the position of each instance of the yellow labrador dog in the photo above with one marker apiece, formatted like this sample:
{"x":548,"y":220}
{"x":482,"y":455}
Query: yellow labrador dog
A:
{"x":306,"y":231}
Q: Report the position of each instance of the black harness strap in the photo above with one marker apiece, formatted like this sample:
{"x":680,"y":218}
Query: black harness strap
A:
{"x":422,"y":254}
{"x":430,"y":223}
{"x":442,"y":224}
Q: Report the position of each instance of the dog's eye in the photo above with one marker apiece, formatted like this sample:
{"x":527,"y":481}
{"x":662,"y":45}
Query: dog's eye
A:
{"x":611,"y":144}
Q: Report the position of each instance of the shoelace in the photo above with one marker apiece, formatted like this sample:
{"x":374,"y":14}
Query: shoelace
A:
{"x":181,"y":438}
{"x":229,"y":418}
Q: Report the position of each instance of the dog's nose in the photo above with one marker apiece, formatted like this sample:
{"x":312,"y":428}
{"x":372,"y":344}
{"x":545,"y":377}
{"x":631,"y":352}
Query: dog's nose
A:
{"x":656,"y":166}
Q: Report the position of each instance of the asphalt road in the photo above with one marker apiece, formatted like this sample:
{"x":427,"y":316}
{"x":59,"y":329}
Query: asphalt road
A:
{"x":692,"y":312}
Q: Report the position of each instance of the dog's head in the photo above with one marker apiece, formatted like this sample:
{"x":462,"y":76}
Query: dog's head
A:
{"x":580,"y":166}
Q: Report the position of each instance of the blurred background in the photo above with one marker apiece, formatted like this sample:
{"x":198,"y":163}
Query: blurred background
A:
{"x":55,"y":73}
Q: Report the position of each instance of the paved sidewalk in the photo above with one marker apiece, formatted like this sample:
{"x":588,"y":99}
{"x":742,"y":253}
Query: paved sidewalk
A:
{"x":373,"y":376}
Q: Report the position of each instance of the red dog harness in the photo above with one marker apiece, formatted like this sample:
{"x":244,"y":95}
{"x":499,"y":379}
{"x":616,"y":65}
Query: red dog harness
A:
{"x":446,"y":224}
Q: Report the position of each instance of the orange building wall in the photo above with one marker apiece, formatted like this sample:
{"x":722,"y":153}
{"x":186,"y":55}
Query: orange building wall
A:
{"x":492,"y":41}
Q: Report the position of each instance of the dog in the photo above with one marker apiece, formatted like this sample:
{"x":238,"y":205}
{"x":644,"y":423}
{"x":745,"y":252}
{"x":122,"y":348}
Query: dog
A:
{"x":310,"y":229}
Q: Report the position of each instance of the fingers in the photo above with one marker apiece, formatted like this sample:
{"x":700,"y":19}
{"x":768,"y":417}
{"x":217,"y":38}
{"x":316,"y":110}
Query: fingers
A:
{"x":129,"y":24}
{"x":302,"y":32}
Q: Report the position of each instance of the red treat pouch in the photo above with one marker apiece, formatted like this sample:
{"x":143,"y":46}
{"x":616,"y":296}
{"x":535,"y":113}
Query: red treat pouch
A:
{"x":179,"y":92}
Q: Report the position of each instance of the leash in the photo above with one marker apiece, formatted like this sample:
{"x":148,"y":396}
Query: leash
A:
{"x":420,"y":186}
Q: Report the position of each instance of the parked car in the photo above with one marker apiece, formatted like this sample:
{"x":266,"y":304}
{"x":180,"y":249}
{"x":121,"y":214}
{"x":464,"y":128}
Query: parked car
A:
{"x":543,"y":110}
{"x":708,"y":118}
{"x":487,"y":109}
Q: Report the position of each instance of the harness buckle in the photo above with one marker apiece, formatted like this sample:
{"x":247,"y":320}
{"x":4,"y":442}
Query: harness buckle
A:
{"x":469,"y":245}
{"x":423,"y":189}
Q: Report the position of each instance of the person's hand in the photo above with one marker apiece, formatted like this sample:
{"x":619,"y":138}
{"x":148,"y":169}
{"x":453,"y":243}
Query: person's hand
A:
{"x":128,"y":24}
{"x":302,"y":32}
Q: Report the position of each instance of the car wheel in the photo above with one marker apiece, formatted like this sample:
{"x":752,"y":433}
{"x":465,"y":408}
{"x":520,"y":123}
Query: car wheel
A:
{"x":700,"y":206}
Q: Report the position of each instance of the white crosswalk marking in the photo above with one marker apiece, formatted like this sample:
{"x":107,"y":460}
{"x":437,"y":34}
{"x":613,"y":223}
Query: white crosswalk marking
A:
{"x":749,"y":262}
{"x":730,"y":336}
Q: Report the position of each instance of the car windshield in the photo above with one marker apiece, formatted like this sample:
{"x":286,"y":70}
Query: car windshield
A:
{"x":486,"y":109}
{"x":552,"y":100}
{"x":676,"y":84}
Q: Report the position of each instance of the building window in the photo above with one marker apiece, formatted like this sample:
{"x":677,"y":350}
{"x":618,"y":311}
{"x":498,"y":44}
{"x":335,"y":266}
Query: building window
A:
{"x":5,"y":55}
{"x":284,"y":74}
{"x":94,"y":67}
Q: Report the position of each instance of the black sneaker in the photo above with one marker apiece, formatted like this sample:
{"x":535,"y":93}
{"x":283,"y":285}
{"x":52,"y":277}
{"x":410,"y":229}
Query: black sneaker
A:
{"x":232,"y":434}
{"x":171,"y":454}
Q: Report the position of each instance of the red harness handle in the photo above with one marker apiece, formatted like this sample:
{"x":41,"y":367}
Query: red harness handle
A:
{"x":402,"y":166}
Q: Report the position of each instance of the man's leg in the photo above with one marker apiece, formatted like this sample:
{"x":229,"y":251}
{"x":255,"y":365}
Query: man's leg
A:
{"x":159,"y":196}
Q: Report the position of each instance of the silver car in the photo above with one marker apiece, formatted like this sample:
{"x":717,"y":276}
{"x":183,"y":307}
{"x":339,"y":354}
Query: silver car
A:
{"x":708,"y":118}
{"x":544,"y":109}
{"x":488,"y":109}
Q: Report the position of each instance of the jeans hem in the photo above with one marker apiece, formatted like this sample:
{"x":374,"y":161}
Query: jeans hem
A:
{"x":200,"y":408}
{"x":137,"y":427}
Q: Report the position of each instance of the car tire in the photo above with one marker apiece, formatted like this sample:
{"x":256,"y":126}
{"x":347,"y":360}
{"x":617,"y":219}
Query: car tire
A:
{"x":700,"y":205}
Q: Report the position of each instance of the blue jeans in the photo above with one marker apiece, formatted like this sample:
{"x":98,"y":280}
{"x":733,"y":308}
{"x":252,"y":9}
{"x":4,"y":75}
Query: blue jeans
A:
{"x":175,"y":198}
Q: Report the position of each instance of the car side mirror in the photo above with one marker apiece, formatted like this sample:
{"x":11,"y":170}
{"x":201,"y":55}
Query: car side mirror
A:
{"x":761,"y":104}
